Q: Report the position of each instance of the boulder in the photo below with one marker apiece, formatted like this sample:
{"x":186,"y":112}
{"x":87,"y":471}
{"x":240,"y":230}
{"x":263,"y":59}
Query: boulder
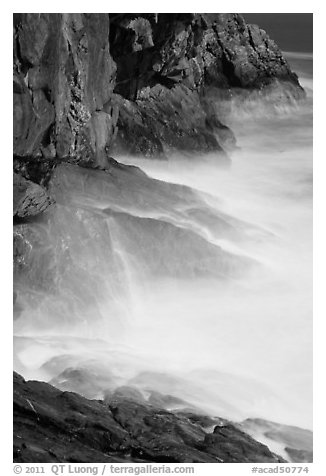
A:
{"x":83,"y":381}
{"x":124,"y":392}
{"x":30,"y":199}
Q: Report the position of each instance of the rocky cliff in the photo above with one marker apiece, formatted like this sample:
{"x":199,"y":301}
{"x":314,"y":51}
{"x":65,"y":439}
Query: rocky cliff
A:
{"x":173,"y":68}
{"x":64,"y":78}
{"x":81,"y":80}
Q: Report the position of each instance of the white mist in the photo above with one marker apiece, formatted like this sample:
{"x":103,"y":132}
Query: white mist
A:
{"x":236,"y":347}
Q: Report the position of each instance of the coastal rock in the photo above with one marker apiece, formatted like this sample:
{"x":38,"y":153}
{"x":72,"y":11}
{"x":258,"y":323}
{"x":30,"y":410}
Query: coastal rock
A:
{"x":162,"y":121}
{"x":67,"y":253}
{"x":63,"y":77}
{"x":168,"y":402}
{"x":83,"y":381}
{"x":234,"y":446}
{"x":30,"y":199}
{"x":73,"y":73}
{"x":125,"y":392}
{"x":143,"y":84}
{"x":52,"y":426}
{"x":297,"y":442}
{"x":196,"y":50}
{"x":171,"y":69}
{"x":245,"y":55}
{"x":55,"y":426}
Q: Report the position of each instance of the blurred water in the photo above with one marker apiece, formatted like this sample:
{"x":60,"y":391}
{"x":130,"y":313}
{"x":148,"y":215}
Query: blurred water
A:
{"x":193,"y":280}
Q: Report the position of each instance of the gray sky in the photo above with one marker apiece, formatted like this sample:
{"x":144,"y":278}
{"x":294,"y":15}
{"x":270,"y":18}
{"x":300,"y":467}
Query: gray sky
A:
{"x":291,"y":31}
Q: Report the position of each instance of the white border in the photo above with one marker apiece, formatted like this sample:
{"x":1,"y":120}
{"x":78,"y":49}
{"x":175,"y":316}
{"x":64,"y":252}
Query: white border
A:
{"x":319,"y":194}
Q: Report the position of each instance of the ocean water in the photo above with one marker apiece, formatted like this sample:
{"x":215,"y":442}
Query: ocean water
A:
{"x":193,"y":280}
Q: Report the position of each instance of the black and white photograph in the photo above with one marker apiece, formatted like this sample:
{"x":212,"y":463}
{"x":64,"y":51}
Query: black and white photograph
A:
{"x":162,"y":240}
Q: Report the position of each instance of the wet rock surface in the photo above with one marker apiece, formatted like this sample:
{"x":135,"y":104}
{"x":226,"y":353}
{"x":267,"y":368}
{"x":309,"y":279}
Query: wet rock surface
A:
{"x":297,"y":442}
{"x":83,"y":381}
{"x":63,"y":77}
{"x":55,"y":426}
{"x":82,"y":79}
{"x":171,"y":69}
{"x":162,"y":121}
{"x":122,"y":207}
{"x":193,"y":49}
{"x":84,"y":86}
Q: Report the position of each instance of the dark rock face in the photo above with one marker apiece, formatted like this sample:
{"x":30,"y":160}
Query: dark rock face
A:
{"x":195,"y":50}
{"x":167,"y":65}
{"x":244,"y":54}
{"x":164,"y":120}
{"x":63,"y":77}
{"x":161,"y":67}
{"x":51,"y":425}
{"x":55,"y":426}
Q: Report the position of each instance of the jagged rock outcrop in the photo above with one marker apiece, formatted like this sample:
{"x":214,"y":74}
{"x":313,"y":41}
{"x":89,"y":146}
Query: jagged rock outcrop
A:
{"x":169,"y":67}
{"x":55,"y":426}
{"x":193,"y":49}
{"x":63,"y":81}
{"x":74,"y":72}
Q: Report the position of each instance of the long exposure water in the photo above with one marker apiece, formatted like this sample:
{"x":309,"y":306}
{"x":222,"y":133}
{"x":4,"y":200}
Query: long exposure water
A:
{"x":194,"y":280}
